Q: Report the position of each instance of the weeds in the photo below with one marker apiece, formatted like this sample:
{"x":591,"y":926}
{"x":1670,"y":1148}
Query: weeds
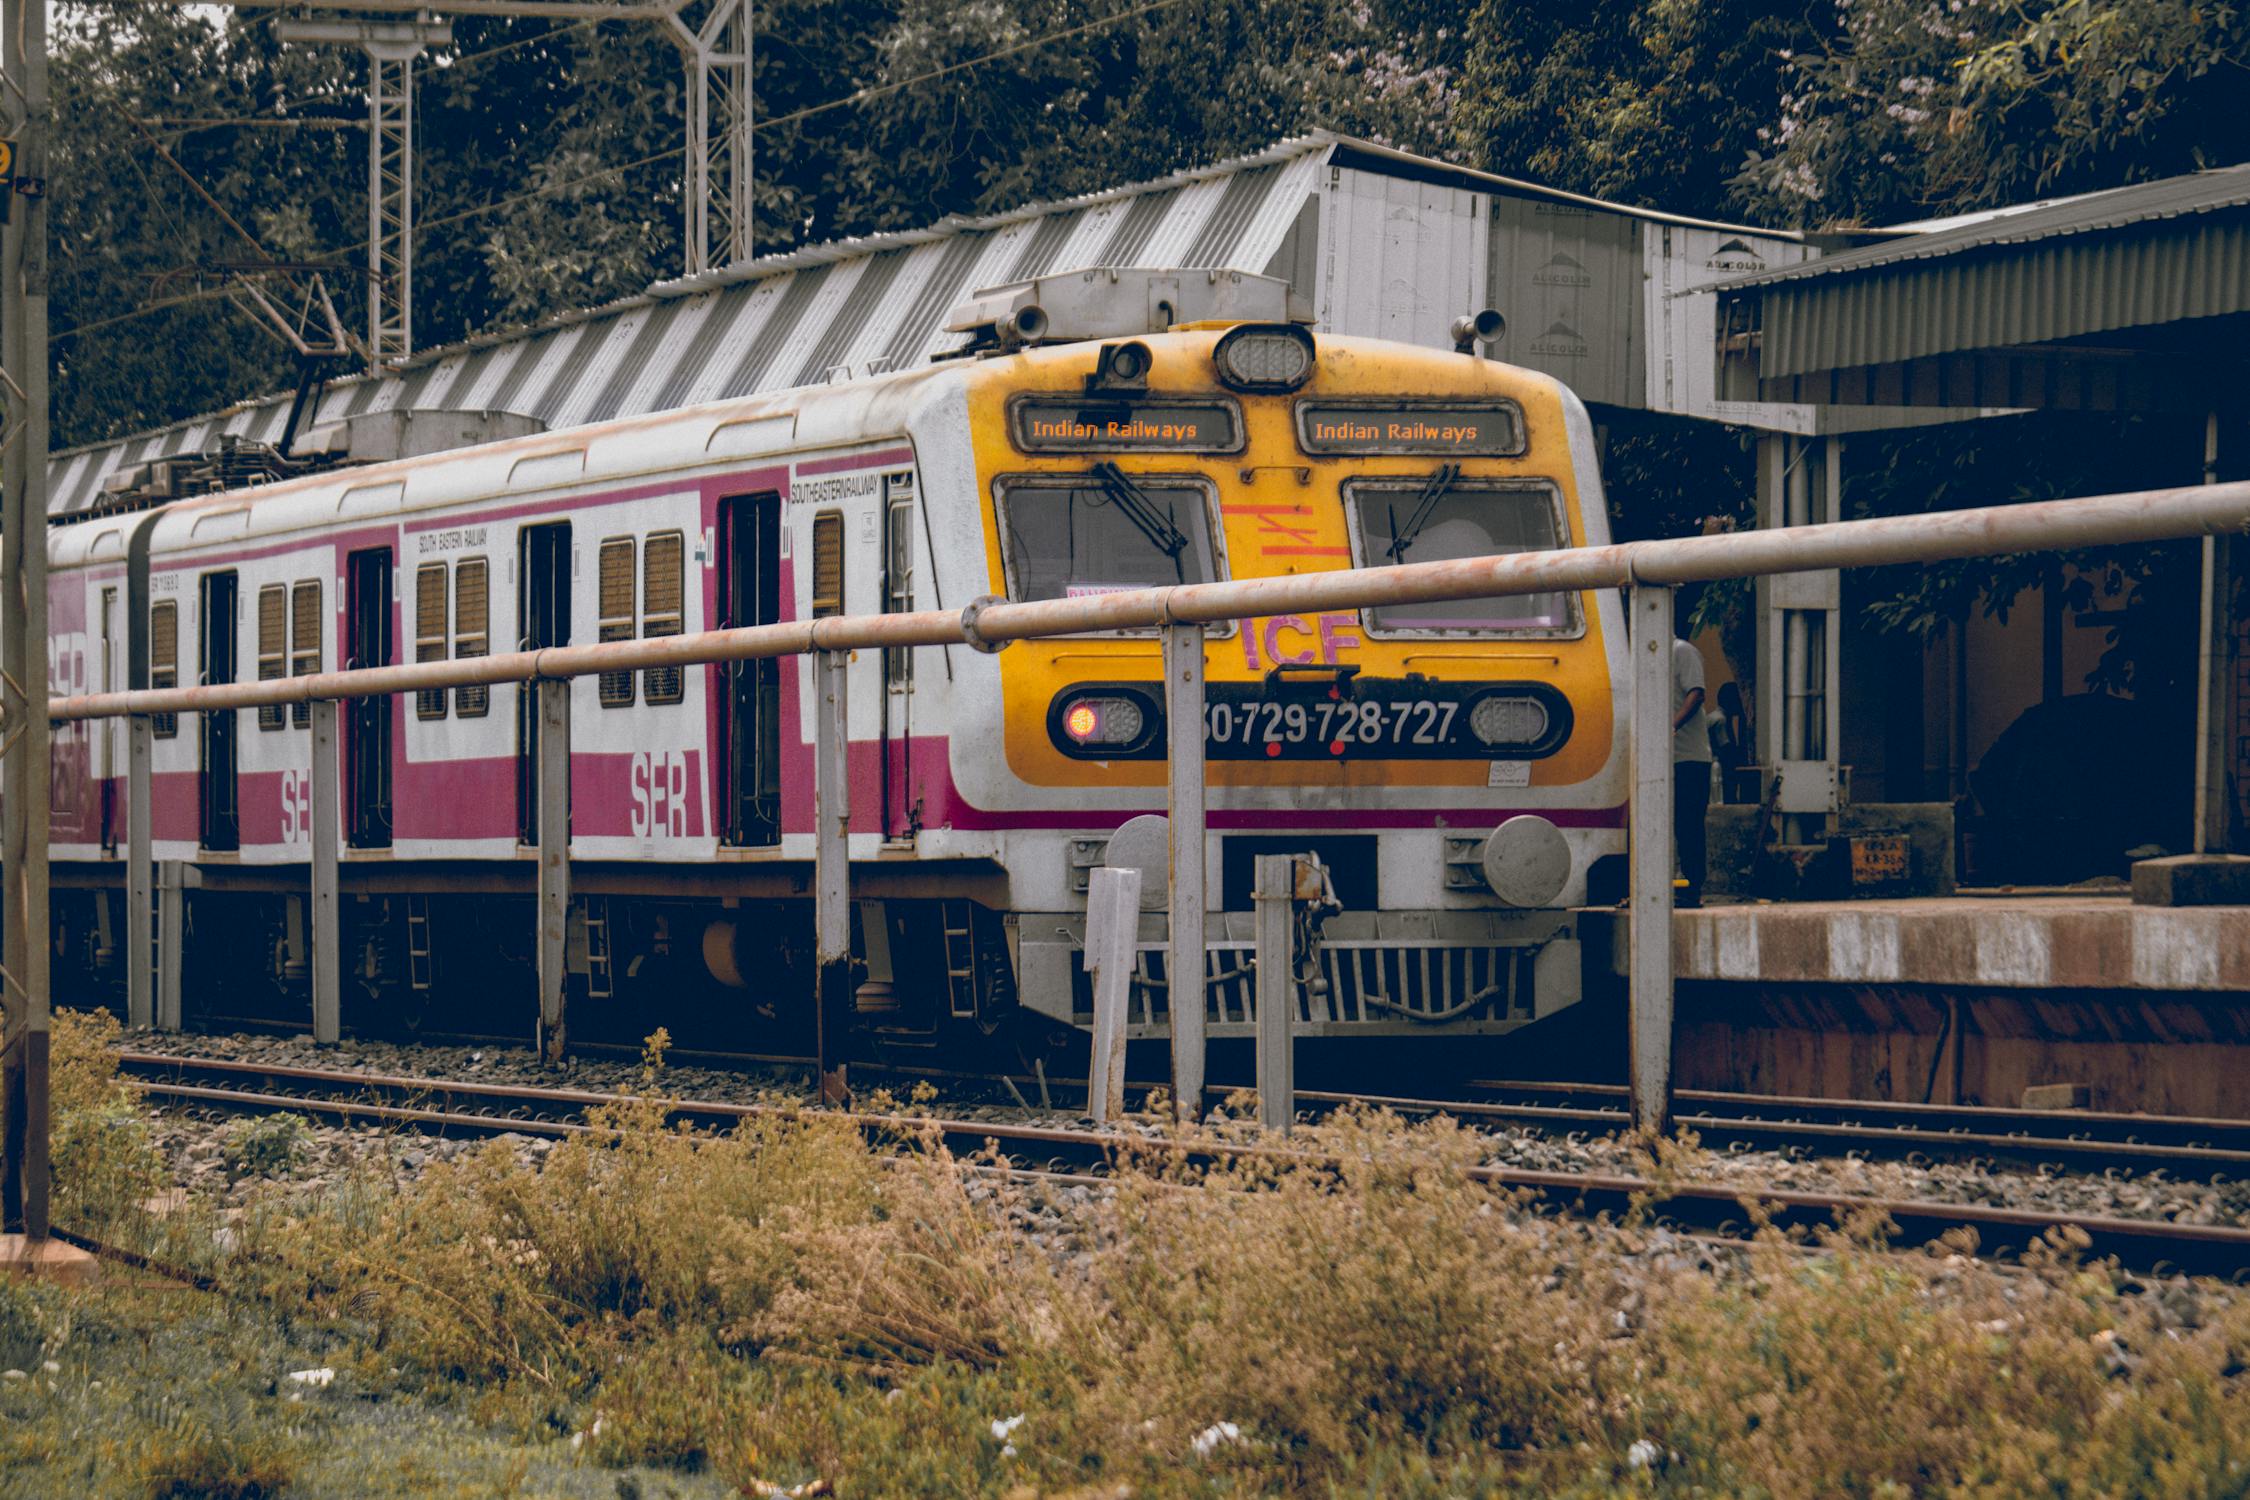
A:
{"x":263,"y":1145}
{"x":105,"y":1165}
{"x":788,"y":1303}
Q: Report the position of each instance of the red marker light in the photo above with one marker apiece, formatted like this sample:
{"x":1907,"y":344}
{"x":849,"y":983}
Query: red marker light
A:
{"x":1082,"y":723}
{"x":1273,"y":748}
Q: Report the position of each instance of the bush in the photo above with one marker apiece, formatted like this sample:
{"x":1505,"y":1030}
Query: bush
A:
{"x":263,"y":1145}
{"x":105,"y":1165}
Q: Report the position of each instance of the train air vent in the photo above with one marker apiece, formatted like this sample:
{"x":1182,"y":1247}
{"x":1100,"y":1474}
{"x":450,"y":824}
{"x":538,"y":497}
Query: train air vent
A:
{"x":1108,"y":303}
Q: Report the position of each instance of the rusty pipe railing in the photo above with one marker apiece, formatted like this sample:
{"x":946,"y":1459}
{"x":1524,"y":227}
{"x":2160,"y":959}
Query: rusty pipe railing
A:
{"x":2038,"y":526}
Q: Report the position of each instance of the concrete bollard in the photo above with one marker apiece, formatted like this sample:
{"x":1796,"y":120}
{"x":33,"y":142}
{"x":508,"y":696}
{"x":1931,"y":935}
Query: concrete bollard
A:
{"x":1113,"y":919}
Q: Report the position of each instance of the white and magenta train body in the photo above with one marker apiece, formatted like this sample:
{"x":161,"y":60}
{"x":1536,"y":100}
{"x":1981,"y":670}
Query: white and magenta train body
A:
{"x":1392,"y":743}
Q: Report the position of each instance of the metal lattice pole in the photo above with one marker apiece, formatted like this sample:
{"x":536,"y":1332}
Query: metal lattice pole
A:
{"x":718,"y":208}
{"x":23,"y":628}
{"x":391,"y":48}
{"x":390,"y":201}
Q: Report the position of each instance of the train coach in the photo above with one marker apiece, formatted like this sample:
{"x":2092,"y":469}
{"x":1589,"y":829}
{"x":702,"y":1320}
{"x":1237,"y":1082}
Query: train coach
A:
{"x":1460,"y":768}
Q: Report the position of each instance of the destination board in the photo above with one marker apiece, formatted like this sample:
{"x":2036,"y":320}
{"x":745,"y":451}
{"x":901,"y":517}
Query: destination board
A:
{"x":1463,"y":430}
{"x":1074,"y":424}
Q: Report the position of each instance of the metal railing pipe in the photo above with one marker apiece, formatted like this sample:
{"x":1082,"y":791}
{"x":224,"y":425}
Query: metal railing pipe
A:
{"x":2037,"y":526}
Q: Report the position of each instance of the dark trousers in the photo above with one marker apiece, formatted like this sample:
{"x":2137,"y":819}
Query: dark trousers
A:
{"x":1691,"y":800}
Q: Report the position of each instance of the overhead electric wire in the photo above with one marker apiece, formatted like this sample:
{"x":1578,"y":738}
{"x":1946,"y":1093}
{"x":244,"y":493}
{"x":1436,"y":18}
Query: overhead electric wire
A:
{"x":862,"y":95}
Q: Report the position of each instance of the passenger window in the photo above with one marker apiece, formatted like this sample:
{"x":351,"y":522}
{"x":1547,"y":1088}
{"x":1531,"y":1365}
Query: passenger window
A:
{"x":472,"y":630}
{"x":273,"y":649}
{"x":1104,"y":534}
{"x":616,"y":619}
{"x":663,"y":561}
{"x":1444,"y":517}
{"x":430,"y":639}
{"x":828,"y":563}
{"x":164,"y":661}
{"x":304,"y":641}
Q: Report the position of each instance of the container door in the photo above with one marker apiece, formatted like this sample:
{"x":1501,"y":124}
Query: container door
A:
{"x":221,"y":812}
{"x":749,"y":692}
{"x":367,"y":721}
{"x":542,"y":620}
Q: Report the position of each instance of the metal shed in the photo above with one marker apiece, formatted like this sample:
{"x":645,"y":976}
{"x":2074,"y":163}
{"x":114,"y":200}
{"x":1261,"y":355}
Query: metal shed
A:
{"x":1380,"y":241}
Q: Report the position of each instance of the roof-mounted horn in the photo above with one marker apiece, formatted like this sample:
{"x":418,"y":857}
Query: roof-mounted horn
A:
{"x":1108,"y":303}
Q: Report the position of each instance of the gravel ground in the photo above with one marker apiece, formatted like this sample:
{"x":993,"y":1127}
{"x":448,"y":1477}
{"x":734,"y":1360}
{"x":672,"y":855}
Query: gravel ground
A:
{"x":199,"y":1148}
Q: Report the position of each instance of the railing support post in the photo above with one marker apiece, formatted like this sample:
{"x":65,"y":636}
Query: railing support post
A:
{"x":1113,"y":927}
{"x":1276,"y":898}
{"x":1184,"y":973}
{"x":171,"y":927}
{"x":554,"y":863}
{"x":832,"y":887}
{"x":1650,"y":913}
{"x":327,"y":827}
{"x":140,"y":877}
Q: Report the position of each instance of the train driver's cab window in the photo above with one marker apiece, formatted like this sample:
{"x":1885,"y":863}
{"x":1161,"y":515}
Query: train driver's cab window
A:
{"x":1106,"y":532}
{"x":1444,"y":517}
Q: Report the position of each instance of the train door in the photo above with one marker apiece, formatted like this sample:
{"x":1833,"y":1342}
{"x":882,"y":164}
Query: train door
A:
{"x":108,"y":763}
{"x":367,"y":721}
{"x":542,"y":620}
{"x":899,"y":812}
{"x":749,"y":588}
{"x":218,"y":789}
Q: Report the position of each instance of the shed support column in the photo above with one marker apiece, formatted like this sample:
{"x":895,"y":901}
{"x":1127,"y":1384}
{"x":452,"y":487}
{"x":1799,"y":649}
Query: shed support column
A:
{"x":1799,"y":640}
{"x":140,"y":878}
{"x":2216,"y":705}
{"x":1276,"y":900}
{"x":554,"y":864}
{"x":832,"y":892}
{"x":327,"y":826}
{"x":1183,"y":717}
{"x":1650,"y":912}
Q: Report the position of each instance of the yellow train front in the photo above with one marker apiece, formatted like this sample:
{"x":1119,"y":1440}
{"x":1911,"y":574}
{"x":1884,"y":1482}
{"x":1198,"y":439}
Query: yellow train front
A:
{"x":1460,"y":768}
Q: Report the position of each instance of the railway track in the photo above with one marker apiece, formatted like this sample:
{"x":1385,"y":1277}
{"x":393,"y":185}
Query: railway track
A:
{"x":452,"y":1105}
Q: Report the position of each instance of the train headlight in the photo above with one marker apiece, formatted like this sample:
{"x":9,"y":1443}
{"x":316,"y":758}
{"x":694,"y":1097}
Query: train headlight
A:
{"x":1103,"y":721}
{"x":1264,"y":357}
{"x":1503,"y":721}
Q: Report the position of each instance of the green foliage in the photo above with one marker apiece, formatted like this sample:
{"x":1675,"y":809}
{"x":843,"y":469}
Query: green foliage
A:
{"x":263,"y":1145}
{"x":1935,"y":106}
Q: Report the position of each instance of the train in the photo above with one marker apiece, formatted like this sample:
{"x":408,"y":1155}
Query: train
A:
{"x":1461,"y":769}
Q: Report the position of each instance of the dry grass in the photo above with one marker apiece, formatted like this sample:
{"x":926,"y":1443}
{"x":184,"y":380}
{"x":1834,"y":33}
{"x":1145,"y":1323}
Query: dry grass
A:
{"x":787,"y":1303}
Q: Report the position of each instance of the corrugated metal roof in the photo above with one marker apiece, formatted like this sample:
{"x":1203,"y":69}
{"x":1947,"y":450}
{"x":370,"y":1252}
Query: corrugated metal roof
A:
{"x":791,"y":319}
{"x":2088,"y":213}
{"x":2164,"y":252}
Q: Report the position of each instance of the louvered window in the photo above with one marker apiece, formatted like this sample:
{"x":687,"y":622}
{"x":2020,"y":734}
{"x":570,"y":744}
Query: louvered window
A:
{"x":616,"y":621}
{"x":472,"y":630}
{"x":273,"y":649}
{"x":430,"y":640}
{"x":828,"y":563}
{"x":304,"y":641}
{"x":164,"y":660}
{"x":663,"y":590}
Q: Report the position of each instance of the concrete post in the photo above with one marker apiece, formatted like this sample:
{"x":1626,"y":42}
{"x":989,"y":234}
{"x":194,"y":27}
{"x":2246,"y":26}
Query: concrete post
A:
{"x":1113,"y":921}
{"x":140,"y":876}
{"x":1276,"y":896}
{"x":832,"y":891}
{"x":554,"y":863}
{"x":171,"y":928}
{"x":327,"y":834}
{"x":1650,"y":912}
{"x":1183,"y":718}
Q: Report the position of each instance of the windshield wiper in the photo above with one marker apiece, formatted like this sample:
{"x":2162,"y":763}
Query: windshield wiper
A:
{"x":1140,"y":510}
{"x":1403,"y":537}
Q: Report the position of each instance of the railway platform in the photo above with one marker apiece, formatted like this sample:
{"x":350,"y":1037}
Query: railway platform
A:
{"x":1970,"y":998}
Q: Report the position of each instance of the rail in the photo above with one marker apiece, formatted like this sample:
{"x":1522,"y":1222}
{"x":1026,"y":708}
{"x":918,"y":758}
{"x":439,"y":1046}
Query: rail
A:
{"x":1648,"y":571}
